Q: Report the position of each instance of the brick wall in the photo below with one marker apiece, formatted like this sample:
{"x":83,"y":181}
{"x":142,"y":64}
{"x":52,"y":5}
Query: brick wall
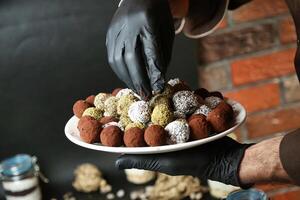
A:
{"x":250,"y":59}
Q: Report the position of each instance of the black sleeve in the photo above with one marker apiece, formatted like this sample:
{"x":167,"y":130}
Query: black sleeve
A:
{"x":289,"y":155}
{"x":234,"y":4}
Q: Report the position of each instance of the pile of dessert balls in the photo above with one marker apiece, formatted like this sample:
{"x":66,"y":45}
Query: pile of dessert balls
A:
{"x":176,"y":115}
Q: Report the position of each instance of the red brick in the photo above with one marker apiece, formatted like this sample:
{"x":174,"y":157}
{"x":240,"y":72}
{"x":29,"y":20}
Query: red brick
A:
{"x":271,"y":186}
{"x":237,"y":42}
{"x":257,"y":98}
{"x":282,"y":120}
{"x":258,"y":9}
{"x":293,"y":195}
{"x":263,"y":67}
{"x":223,"y":24}
{"x":287,"y":31}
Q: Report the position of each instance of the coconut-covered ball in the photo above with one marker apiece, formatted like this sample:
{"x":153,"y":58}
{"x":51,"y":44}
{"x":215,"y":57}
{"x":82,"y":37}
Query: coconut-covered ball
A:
{"x":199,"y":127}
{"x":124,"y":103}
{"x":124,"y":121}
{"x":178,"y":131}
{"x":159,"y":99}
{"x":111,"y":136}
{"x":134,"y":137}
{"x":155,"y":135}
{"x":135,"y":124}
{"x":116,"y":91}
{"x":79,"y":107}
{"x":202,"y":92}
{"x":96,"y":113}
{"x":221,"y":117}
{"x":203,"y":109}
{"x":124,"y":92}
{"x":174,"y":81}
{"x":110,"y":106}
{"x":216,"y":94}
{"x":105,"y":120}
{"x":179,"y":115}
{"x":100,"y":99}
{"x":185,"y":101}
{"x":90,"y":99}
{"x":212,"y":101}
{"x":89,"y":129}
{"x":161,"y":115}
{"x":139,"y":112}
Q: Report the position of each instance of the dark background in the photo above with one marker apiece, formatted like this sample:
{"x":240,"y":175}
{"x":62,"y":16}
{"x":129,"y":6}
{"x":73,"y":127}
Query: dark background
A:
{"x":52,"y":52}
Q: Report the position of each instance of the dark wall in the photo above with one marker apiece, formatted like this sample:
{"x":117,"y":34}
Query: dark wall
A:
{"x":52,"y":52}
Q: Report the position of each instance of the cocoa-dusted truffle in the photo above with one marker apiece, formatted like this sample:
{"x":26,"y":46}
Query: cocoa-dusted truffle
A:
{"x":124,"y":103}
{"x":202,"y":92}
{"x":96,"y":113}
{"x":135,"y":124}
{"x":178,"y":131}
{"x":89,"y":129}
{"x":110,"y":106}
{"x":216,"y":94}
{"x":161,"y":115}
{"x":203,"y":109}
{"x":105,"y":120}
{"x":134,"y":137}
{"x":139,"y":112}
{"x":111,"y":136}
{"x":212,"y":102}
{"x":221,"y":117}
{"x":155,"y":135}
{"x":79,"y":107}
{"x":100,"y":99}
{"x":193,"y":116}
{"x":199,"y":127}
{"x":185,"y":101}
{"x":115,"y":91}
{"x":90,"y":99}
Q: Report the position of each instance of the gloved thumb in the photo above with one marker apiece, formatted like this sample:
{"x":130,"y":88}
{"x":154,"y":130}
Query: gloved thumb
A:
{"x":145,"y":162}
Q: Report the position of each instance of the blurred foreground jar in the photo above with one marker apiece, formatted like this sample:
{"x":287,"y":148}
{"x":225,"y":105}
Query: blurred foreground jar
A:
{"x":20,"y":178}
{"x":251,"y":194}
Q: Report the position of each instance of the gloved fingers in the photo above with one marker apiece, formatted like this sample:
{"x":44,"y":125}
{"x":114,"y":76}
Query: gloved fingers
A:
{"x":146,"y":162}
{"x":154,"y":59}
{"x":137,"y":69}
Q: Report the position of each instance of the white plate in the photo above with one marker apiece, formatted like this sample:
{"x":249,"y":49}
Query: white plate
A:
{"x":72,"y":134}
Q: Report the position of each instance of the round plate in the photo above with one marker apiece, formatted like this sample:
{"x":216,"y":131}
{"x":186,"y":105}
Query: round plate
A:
{"x":72,"y":134}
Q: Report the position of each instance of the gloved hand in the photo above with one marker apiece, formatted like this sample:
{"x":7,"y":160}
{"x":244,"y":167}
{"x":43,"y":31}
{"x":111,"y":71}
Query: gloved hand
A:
{"x":217,"y":161}
{"x":139,"y":44}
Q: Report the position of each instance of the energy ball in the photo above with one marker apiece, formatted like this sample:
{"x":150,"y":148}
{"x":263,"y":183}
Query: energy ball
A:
{"x":203,"y":109}
{"x":124,"y":103}
{"x":221,"y":117}
{"x":139,"y":112}
{"x":202,"y":92}
{"x":199,"y":127}
{"x":193,"y":116}
{"x":115,"y":91}
{"x":177,"y":132}
{"x":124,"y":92}
{"x":100,"y":99}
{"x":89,"y":129}
{"x":161,"y":115}
{"x":124,"y":121}
{"x":199,"y":99}
{"x":178,"y":85}
{"x":168,"y":91}
{"x":179,"y":115}
{"x":159,"y":99}
{"x":90,"y":99}
{"x":110,"y":106}
{"x":134,"y":137}
{"x":79,"y":107}
{"x":212,"y":102}
{"x":96,"y":113}
{"x":111,"y":136}
{"x":185,"y":101}
{"x":105,"y":120}
{"x":135,"y":124}
{"x":174,"y":81}
{"x":216,"y":94}
{"x":155,"y":135}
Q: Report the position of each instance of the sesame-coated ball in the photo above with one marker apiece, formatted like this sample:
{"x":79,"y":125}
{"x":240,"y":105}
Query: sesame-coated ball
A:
{"x":185,"y":101}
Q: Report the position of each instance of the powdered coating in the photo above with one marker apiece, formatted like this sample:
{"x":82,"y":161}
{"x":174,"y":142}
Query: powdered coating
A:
{"x":178,"y":132}
{"x":212,"y":102}
{"x":179,"y":115}
{"x":203,"y":109}
{"x":139,"y":112}
{"x":174,"y":81}
{"x":185,"y":102}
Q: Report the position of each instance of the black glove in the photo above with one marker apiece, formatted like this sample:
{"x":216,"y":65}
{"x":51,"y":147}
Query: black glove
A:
{"x":217,"y":161}
{"x":139,"y":44}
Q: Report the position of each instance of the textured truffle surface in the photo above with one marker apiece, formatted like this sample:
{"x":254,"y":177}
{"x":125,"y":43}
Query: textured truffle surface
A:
{"x":115,"y":91}
{"x":185,"y":101}
{"x":212,"y":102}
{"x":90,"y":99}
{"x":136,"y":125}
{"x":134,"y":137}
{"x":203,"y":109}
{"x":96,"y":113}
{"x":177,"y":132}
{"x":100,"y":99}
{"x":199,"y":127}
{"x":155,"y":135}
{"x":124,"y":103}
{"x":111,"y":136}
{"x":124,"y":121}
{"x":159,"y":99}
{"x":139,"y":112}
{"x":79,"y":107}
{"x":161,"y":115}
{"x":89,"y":129}
{"x":110,"y":106}
{"x":221,"y":117}
{"x":105,"y":120}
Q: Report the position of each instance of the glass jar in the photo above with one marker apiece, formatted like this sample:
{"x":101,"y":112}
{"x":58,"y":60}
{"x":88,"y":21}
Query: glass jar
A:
{"x":251,"y":194}
{"x":20,"y":178}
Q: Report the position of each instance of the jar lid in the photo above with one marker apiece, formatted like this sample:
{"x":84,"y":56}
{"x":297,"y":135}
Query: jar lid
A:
{"x":16,"y":165}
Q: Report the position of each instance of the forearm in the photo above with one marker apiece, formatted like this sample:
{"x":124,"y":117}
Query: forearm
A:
{"x":261,"y":163}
